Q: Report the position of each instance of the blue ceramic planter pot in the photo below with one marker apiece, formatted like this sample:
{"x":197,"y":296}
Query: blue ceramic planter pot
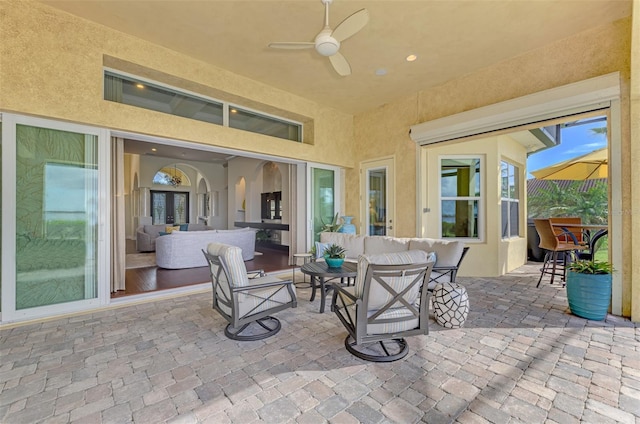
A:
{"x":589,"y":295}
{"x":334,"y":262}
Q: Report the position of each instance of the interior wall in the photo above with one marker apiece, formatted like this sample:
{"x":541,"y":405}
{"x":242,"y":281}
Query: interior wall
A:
{"x":214,"y":173}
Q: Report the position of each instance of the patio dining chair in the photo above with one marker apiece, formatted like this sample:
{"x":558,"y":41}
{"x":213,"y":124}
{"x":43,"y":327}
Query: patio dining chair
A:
{"x":557,"y":251}
{"x":246,"y":300}
{"x":388,"y":302}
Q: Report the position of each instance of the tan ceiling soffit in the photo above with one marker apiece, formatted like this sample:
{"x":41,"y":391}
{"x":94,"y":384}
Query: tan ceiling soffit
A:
{"x":583,"y":96}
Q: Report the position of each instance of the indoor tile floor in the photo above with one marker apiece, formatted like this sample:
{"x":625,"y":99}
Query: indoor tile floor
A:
{"x":520,"y":358}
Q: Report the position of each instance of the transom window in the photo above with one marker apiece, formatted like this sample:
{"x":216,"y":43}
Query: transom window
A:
{"x":460,"y":196}
{"x":510,"y":199}
{"x":154,"y":96}
{"x":171,"y":176}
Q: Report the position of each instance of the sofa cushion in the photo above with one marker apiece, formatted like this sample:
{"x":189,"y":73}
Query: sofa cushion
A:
{"x":195,"y":227}
{"x":353,"y":244}
{"x":320,"y":248}
{"x":153,"y":230}
{"x":448,"y":252}
{"x":381,"y":244}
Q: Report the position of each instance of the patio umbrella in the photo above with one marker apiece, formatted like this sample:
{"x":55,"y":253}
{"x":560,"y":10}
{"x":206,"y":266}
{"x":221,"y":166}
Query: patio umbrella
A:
{"x":587,"y":167}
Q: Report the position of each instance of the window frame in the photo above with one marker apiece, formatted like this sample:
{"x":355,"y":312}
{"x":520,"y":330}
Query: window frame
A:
{"x":480,"y":199}
{"x":226,"y":106}
{"x":517,"y":200}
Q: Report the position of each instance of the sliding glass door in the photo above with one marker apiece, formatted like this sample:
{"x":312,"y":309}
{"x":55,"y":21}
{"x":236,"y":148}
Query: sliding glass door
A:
{"x":55,"y":219}
{"x":324,"y":198}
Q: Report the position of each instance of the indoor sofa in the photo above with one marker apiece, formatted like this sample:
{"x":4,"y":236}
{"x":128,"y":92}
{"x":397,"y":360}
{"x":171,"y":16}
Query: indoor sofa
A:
{"x":448,"y":253}
{"x":183,"y":249}
{"x":146,"y":235}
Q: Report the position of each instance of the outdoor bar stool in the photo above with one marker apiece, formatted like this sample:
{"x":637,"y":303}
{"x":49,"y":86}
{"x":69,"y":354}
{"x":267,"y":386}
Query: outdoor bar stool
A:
{"x":554,"y":247}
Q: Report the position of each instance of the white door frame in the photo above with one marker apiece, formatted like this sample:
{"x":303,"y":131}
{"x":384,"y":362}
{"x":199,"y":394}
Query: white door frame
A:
{"x":9,"y":312}
{"x":388,"y":164}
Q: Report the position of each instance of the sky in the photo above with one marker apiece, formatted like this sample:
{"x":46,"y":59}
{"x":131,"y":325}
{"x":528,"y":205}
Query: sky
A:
{"x":575,"y":141}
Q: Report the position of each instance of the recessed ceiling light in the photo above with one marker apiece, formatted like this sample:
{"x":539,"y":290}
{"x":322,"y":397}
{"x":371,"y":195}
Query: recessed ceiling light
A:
{"x":154,"y":149}
{"x":381,"y":71}
{"x":411,"y":57}
{"x":139,"y":85}
{"x":233,"y":111}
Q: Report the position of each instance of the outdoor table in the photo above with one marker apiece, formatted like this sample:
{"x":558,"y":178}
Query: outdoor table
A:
{"x":320,"y":271}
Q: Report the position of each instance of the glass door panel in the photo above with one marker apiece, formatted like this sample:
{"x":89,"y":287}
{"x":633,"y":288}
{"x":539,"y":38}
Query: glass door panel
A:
{"x":56,"y":217}
{"x":169,"y":207}
{"x":378,"y":197}
{"x":323,"y":199}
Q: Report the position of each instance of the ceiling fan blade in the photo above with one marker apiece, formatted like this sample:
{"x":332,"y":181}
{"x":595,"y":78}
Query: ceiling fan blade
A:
{"x":351,"y":25}
{"x":340,"y":64}
{"x":292,"y":45}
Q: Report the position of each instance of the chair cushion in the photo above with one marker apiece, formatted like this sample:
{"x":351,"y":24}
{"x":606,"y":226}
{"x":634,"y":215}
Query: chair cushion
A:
{"x":232,"y":256}
{"x":378,"y":296}
{"x":394,"y":313}
{"x":253,"y":302}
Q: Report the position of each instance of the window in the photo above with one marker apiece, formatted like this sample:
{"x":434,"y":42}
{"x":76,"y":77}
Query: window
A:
{"x":510,"y":199}
{"x":146,"y":95}
{"x":460,"y":196}
{"x":153,"y":96}
{"x":171,"y":176}
{"x":254,"y":122}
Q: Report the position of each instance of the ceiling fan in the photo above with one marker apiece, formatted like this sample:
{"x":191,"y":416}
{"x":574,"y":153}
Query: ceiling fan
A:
{"x":327,"y":42}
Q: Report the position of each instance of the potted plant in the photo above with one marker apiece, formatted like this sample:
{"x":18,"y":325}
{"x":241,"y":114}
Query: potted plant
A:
{"x":334,"y":255}
{"x":331,"y":227}
{"x":589,"y":288}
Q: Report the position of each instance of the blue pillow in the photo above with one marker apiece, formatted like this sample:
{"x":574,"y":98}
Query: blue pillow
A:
{"x":320,"y":248}
{"x":184,"y":227}
{"x":162,"y":233}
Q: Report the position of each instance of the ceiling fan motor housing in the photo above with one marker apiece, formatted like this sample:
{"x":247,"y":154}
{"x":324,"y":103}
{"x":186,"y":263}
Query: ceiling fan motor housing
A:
{"x":326,"y":45}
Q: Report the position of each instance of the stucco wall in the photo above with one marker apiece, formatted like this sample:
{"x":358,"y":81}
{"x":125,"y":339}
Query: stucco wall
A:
{"x":384,"y":131}
{"x":52,"y":66}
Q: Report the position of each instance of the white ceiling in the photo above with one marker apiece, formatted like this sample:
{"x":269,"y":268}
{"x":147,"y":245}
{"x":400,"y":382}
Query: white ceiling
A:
{"x":451,"y":38}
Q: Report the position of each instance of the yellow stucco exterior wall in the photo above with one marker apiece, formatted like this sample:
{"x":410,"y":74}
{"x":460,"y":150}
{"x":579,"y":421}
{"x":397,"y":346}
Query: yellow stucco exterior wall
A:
{"x":52,"y":66}
{"x":383,"y":131}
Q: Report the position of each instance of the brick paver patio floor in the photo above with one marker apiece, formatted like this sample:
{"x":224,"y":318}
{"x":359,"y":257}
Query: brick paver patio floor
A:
{"x":520,"y":358}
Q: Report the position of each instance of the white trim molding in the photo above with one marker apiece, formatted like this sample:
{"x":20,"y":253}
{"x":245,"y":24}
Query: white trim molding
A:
{"x":583,"y":96}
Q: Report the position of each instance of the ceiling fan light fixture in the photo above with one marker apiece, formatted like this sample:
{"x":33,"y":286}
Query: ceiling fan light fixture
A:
{"x":326,"y":45}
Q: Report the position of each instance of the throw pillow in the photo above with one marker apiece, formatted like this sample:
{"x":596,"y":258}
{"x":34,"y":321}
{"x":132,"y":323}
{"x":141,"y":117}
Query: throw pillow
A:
{"x":169,"y":229}
{"x":320,"y":248}
{"x":163,"y":233}
{"x":432,"y":257}
{"x":184,"y":227}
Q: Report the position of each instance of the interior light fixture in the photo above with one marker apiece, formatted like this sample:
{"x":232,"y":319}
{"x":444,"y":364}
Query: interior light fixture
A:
{"x":139,"y":85}
{"x":411,"y":57}
{"x":233,"y":111}
{"x":175,"y":178}
{"x":154,"y":149}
